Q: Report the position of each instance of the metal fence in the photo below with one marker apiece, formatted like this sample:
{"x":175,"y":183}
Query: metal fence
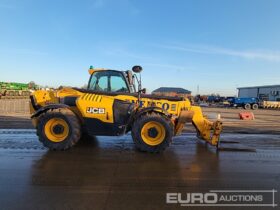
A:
{"x":14,"y":106}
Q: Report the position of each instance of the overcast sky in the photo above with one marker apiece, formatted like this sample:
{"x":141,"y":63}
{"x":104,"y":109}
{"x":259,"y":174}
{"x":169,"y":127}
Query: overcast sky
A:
{"x":216,"y":44}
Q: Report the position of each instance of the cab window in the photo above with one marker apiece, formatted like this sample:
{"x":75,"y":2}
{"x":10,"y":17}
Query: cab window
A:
{"x":102,"y":84}
{"x":118,"y":84}
{"x":108,"y":81}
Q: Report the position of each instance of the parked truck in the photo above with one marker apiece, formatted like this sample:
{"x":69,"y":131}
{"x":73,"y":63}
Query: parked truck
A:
{"x":246,"y":103}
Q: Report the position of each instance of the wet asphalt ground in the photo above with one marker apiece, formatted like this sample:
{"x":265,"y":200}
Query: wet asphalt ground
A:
{"x":109,"y":173}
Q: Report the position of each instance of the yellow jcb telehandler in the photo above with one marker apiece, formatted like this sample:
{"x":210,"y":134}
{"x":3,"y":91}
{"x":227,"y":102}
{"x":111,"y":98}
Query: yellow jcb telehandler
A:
{"x":112,"y":106}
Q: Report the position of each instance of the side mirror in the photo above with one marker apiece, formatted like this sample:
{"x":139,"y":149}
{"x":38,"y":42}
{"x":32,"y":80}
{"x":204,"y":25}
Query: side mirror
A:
{"x":136,"y":69}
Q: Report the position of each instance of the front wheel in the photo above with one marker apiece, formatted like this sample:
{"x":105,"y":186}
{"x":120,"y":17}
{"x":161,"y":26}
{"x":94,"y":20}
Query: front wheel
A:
{"x":59,"y":129}
{"x":152,"y":132}
{"x":247,"y":106}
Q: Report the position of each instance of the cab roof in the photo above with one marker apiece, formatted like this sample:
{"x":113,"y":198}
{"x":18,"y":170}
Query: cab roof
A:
{"x":92,"y":70}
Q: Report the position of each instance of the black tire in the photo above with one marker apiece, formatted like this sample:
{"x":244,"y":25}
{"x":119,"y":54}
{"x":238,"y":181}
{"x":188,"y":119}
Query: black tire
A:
{"x":247,"y":106}
{"x":141,"y":121}
{"x":73,"y":123}
{"x":255,"y":106}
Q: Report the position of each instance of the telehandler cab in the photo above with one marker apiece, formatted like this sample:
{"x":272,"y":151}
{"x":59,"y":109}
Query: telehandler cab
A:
{"x":112,"y":106}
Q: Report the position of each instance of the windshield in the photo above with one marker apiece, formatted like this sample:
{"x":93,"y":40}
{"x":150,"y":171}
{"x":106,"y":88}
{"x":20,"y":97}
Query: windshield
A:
{"x":108,"y":81}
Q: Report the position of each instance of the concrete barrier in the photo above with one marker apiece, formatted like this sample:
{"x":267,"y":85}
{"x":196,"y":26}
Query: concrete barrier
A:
{"x":14,"y":106}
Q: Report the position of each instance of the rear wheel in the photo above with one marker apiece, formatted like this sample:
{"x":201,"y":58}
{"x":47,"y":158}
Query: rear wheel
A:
{"x":255,"y":106}
{"x":247,"y":106}
{"x":59,"y":129}
{"x":152,"y":132}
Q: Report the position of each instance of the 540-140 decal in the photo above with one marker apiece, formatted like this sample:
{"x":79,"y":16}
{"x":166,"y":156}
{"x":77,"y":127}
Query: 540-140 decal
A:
{"x":165,"y":106}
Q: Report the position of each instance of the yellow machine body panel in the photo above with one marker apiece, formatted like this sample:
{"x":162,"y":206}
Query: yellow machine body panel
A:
{"x":96,"y":106}
{"x":101,"y":106}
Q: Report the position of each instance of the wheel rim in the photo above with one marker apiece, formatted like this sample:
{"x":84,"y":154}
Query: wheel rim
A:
{"x":56,"y":129}
{"x":153,"y":133}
